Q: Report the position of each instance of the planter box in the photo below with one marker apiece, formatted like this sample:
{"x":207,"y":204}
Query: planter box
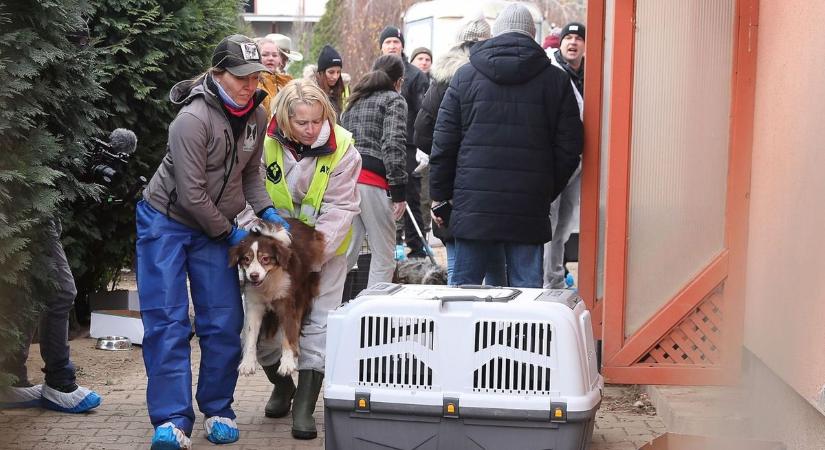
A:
{"x":118,"y":299}
{"x":119,"y":322}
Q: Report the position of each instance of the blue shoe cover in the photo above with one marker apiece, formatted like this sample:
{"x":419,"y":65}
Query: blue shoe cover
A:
{"x":78,"y":401}
{"x":21,"y":397}
{"x":569,"y":281}
{"x":221,"y":430}
{"x":170,"y":437}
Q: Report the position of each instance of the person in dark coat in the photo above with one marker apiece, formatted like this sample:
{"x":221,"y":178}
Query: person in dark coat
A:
{"x":415,"y":86}
{"x":507,"y":138}
{"x":442,"y":72}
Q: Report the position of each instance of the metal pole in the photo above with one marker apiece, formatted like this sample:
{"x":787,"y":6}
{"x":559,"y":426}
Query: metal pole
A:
{"x":427,"y":248}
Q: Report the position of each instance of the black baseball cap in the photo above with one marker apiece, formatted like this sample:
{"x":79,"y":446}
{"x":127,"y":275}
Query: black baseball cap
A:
{"x":239,"y":55}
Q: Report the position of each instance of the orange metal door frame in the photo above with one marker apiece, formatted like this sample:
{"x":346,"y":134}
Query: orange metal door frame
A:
{"x":591,"y":158}
{"x":620,"y":355}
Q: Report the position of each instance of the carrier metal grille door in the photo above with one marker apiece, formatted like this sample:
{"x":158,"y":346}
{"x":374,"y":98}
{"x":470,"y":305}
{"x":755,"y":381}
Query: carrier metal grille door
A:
{"x":512,"y":357}
{"x":396,"y":351}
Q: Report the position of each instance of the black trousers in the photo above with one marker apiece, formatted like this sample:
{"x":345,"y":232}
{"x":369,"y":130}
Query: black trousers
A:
{"x":411,"y":238}
{"x":413,"y":194}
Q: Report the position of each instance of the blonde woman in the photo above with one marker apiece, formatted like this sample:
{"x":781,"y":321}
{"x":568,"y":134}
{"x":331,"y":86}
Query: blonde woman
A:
{"x":311,"y":171}
{"x":275,"y":60}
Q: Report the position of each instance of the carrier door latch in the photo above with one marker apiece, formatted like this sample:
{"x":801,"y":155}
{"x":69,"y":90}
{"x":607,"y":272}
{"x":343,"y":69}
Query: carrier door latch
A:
{"x":558,"y":412}
{"x":451,"y":407}
{"x":362,"y":402}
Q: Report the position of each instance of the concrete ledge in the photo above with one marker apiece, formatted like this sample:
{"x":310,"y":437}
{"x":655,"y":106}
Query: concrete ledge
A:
{"x":703,"y":410}
{"x":762,"y":406}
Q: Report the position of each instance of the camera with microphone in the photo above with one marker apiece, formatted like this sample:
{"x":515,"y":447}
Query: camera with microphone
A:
{"x":109,"y":163}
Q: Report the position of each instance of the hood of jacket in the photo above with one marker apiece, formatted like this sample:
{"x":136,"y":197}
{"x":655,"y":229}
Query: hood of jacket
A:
{"x":511,"y":58}
{"x":183,"y":92}
{"x":447,"y":64}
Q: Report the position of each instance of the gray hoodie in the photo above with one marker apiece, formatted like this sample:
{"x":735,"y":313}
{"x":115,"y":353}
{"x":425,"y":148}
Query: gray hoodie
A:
{"x":199,"y":154}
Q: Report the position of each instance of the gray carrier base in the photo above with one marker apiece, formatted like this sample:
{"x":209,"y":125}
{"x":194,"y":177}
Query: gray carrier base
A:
{"x":434,"y":367}
{"x":389,"y":426}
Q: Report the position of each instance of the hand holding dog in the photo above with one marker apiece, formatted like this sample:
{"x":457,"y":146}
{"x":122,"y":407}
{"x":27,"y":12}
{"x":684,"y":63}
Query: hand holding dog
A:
{"x":270,"y":215}
{"x":236,"y":236}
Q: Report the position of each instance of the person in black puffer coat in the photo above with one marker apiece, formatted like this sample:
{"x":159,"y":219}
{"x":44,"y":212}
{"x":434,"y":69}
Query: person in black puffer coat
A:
{"x":442,"y":72}
{"x":507,"y":138}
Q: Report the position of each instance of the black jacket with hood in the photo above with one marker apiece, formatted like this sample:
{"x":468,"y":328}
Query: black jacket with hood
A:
{"x":413,"y":89}
{"x":507,"y":138}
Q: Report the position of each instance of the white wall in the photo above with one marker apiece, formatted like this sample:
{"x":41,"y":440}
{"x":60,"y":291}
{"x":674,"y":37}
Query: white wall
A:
{"x":785,"y":290}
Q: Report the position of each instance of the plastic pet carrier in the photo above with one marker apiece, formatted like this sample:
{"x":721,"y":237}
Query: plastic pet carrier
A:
{"x":436,"y":367}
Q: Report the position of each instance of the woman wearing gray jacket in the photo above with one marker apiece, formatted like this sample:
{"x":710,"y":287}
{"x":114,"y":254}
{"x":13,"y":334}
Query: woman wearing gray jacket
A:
{"x":184,"y":230}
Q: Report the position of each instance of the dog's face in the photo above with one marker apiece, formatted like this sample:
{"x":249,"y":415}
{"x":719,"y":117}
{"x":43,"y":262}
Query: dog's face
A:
{"x":258,"y":256}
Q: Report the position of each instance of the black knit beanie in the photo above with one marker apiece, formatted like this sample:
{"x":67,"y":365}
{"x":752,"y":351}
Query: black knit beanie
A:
{"x":573,"y":28}
{"x":389,"y":32}
{"x":329,"y":58}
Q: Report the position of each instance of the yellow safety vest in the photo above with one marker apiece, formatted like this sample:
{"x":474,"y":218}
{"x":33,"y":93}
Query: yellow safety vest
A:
{"x":311,"y":203}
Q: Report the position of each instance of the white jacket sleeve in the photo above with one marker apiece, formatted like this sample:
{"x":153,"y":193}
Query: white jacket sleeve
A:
{"x":341,"y":202}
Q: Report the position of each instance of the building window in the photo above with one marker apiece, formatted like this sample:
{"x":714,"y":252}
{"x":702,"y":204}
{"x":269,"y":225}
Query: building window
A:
{"x":249,"y":6}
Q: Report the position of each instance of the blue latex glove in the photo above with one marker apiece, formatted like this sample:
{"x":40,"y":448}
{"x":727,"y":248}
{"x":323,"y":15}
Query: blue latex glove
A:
{"x":236,"y":236}
{"x":270,"y":215}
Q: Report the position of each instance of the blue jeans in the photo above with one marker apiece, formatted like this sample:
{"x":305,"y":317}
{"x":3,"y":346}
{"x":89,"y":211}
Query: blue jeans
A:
{"x":523,"y":261}
{"x":496,"y":274}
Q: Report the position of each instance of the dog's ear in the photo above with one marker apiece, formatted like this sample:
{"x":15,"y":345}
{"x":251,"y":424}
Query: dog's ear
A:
{"x":282,"y":254}
{"x":235,"y":254}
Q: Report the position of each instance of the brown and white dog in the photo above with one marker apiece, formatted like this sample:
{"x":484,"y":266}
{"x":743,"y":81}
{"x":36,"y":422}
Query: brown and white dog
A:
{"x":279,"y":287}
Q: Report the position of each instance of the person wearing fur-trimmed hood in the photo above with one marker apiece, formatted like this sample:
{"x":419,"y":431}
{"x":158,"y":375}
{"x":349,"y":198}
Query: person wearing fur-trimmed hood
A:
{"x":474,"y":31}
{"x":507,"y":138}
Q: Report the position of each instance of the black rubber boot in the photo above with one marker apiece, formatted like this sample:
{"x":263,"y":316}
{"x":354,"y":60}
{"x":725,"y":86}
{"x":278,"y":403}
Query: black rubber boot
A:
{"x":278,"y":404}
{"x":309,"y":385}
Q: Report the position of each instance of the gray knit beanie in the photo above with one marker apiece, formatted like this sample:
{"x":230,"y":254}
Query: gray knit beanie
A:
{"x":474,"y":31}
{"x":515,"y":18}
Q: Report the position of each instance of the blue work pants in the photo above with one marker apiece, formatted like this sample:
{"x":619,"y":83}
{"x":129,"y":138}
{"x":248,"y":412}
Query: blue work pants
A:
{"x":168,"y":253}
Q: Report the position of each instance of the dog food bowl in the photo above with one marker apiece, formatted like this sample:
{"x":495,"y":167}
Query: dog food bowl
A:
{"x":114,"y":343}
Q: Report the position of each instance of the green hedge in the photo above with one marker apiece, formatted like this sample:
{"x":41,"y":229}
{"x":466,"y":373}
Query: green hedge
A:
{"x":56,"y":94}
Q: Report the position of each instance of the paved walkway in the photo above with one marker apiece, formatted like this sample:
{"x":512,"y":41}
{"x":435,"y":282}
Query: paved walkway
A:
{"x":121,"y":422}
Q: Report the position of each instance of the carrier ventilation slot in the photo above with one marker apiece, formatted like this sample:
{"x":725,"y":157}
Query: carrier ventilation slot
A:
{"x":512,"y":357}
{"x":394,"y":350}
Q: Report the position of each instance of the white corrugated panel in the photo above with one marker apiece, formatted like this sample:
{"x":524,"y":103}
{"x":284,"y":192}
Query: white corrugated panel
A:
{"x":679,"y":153}
{"x":604,"y":148}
